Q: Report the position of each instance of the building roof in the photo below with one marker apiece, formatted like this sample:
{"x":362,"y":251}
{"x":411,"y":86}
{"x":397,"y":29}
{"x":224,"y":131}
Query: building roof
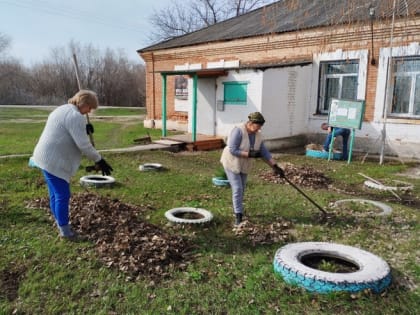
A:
{"x":292,"y":15}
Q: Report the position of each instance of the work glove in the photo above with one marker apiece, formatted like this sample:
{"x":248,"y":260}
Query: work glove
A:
{"x":89,"y":129}
{"x":254,"y":154}
{"x":278,"y":171}
{"x":104,"y":167}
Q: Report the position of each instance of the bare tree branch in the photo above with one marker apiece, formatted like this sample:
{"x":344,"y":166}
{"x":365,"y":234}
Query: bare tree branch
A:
{"x":183,"y":17}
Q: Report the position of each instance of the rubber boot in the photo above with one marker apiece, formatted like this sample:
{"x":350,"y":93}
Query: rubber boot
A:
{"x":238,"y":219}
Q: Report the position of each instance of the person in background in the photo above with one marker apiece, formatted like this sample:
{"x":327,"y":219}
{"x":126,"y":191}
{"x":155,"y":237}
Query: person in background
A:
{"x":59,"y":151}
{"x":244,"y":144}
{"x":343,"y":132}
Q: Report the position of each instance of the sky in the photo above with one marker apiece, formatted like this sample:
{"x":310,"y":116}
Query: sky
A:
{"x":37,"y":26}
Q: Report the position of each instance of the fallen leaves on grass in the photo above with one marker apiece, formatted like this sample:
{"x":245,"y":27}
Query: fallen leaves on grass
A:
{"x":259,"y":234}
{"x":122,"y":239}
{"x":301,"y":176}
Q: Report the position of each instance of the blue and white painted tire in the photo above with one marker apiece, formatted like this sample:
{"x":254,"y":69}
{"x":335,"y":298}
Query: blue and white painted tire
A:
{"x":205,"y":216}
{"x":373,"y":272}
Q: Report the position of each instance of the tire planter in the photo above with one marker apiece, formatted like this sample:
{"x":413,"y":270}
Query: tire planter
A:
{"x":372,"y":272}
{"x":150,"y":167}
{"x":371,"y":184}
{"x":97,"y":181}
{"x":386,"y":210}
{"x":323,"y":154}
{"x":219,"y":181}
{"x":173,"y":215}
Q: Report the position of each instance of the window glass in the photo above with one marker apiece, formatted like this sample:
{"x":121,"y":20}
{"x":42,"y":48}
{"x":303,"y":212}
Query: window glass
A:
{"x":332,"y":86}
{"x":417,"y":96}
{"x":340,"y":68}
{"x":401,"y":97}
{"x":349,"y":90}
{"x":406,"y":65}
{"x":339,"y":79}
{"x":406,"y":87}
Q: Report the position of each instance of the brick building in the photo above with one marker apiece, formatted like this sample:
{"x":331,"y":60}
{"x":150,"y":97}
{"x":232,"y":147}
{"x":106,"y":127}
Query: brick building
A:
{"x":287,"y":60}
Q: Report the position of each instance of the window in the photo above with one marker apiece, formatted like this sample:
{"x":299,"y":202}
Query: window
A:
{"x":406,"y":87}
{"x":235,"y":93}
{"x":338,"y":79}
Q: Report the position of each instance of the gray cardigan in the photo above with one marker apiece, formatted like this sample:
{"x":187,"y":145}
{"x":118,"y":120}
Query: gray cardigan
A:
{"x":63,"y":142}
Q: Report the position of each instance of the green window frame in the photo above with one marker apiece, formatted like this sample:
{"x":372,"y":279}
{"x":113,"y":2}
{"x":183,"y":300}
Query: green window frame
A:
{"x":235,"y":93}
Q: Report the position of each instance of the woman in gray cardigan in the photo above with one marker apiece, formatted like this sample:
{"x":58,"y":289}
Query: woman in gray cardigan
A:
{"x":245,"y":143}
{"x":59,"y":151}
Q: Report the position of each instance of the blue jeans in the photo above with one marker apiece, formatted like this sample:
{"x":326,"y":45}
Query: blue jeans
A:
{"x":237,"y":183}
{"x":59,"y":191}
{"x":344,"y":133}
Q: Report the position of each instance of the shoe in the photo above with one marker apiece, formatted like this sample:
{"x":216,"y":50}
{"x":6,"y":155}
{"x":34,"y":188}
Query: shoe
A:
{"x":238,"y":219}
{"x":66,"y":230}
{"x":67,"y":233}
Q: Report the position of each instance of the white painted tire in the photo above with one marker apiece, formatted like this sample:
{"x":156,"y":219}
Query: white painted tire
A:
{"x":371,"y":184}
{"x":373,"y":272}
{"x":150,"y":167}
{"x":171,"y":215}
{"x":97,"y":181}
{"x":386,"y":210}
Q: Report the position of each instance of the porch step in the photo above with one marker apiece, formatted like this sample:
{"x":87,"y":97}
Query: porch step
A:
{"x":205,"y":145}
{"x":168,"y":142}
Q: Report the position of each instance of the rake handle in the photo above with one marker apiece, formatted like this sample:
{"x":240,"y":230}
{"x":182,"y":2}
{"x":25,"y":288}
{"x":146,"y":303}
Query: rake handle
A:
{"x":324,"y":213}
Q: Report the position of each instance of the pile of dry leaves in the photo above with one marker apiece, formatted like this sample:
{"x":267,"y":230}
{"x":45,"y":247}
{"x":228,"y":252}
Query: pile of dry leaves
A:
{"x":301,"y":176}
{"x":122,"y":239}
{"x":257,"y":234}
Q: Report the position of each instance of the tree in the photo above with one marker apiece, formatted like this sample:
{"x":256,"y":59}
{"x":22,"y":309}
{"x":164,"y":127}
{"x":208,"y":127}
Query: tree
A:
{"x":4,"y":42}
{"x":182,"y":17}
{"x":117,"y":81}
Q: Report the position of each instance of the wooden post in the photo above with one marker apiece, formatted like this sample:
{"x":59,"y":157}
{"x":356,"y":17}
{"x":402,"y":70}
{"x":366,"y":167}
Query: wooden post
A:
{"x":76,"y":67}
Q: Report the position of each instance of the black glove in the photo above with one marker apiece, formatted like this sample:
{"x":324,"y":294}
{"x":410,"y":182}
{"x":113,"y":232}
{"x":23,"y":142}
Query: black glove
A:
{"x":104,"y":166}
{"x":278,"y":170}
{"x":89,"y":129}
{"x":254,"y":154}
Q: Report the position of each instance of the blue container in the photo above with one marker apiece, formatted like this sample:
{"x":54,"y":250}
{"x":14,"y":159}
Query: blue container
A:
{"x":324,"y":154}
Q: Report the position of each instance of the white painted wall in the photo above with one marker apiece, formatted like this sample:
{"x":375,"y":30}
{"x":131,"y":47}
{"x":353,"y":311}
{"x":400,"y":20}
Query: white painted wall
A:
{"x":235,"y":114}
{"x":284,"y":99}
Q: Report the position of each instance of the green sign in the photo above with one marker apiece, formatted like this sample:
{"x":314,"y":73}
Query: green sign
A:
{"x":346,"y":113}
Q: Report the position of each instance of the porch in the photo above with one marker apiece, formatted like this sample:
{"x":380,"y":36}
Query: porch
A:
{"x":186,"y":142}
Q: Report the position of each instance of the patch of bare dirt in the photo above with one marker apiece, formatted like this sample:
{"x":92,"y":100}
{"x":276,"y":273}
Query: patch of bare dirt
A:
{"x":122,"y":239}
{"x":9,"y":282}
{"x":301,"y":176}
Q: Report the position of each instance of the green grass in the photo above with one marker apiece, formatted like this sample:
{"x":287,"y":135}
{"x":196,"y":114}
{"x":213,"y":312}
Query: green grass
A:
{"x":229,"y":274}
{"x":20,"y":128}
{"x":42,"y":112}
